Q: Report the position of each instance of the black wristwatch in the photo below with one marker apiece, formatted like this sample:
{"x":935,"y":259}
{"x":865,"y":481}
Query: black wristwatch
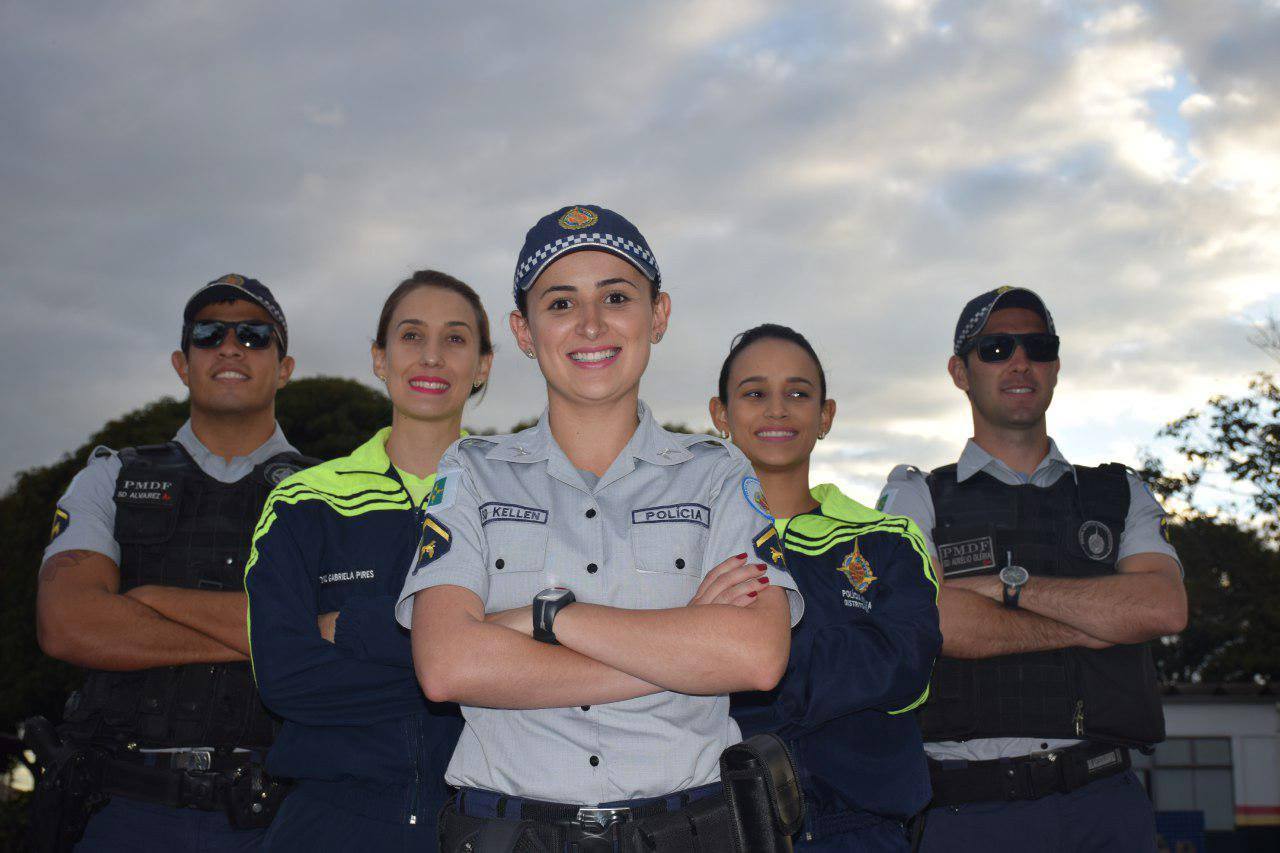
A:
{"x":546,"y":605}
{"x":1013,"y":578}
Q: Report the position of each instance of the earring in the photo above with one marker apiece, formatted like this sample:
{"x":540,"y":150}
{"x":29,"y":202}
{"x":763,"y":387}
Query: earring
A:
{"x":382,"y":376}
{"x":475,"y":386}
{"x":657,"y":339}
{"x":529,"y":353}
{"x":821,"y":436}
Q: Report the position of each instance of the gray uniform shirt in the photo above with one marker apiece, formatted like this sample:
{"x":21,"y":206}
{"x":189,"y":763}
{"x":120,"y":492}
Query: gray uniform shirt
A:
{"x":907,"y":493}
{"x":520,"y":518}
{"x":86,"y":517}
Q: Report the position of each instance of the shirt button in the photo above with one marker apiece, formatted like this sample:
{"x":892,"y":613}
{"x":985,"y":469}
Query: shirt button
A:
{"x":499,"y":563}
{"x":586,"y":707}
{"x":230,"y":561}
{"x":595,"y":761}
{"x":592,"y":568}
{"x":591,"y":513}
{"x":679,"y":562}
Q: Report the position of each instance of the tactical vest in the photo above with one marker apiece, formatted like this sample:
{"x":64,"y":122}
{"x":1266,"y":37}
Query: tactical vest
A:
{"x":1068,"y":530}
{"x":179,"y":527}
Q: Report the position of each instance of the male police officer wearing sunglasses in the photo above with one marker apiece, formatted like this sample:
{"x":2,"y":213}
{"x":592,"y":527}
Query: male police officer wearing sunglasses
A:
{"x":1055,"y":578}
{"x":142,"y":584}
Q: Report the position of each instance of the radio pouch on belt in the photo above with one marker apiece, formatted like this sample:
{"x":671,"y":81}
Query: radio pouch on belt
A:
{"x":766,"y":805}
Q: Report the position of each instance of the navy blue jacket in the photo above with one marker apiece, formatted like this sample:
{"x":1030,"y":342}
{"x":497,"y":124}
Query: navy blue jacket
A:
{"x":860,"y":664}
{"x":341,"y":536}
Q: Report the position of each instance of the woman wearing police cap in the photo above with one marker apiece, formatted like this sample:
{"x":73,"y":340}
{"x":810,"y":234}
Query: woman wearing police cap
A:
{"x":367,"y":748}
{"x":642,"y":557}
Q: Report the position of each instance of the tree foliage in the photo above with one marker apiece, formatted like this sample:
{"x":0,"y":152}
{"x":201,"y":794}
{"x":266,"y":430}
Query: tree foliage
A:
{"x":1233,"y":597}
{"x":1238,"y":437}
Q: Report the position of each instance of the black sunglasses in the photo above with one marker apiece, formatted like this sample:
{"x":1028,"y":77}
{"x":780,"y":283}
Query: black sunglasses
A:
{"x":1039,"y":346}
{"x":252,"y":334}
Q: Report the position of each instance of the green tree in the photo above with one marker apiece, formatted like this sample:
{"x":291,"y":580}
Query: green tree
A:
{"x":1236,"y":437}
{"x":1233,"y":598}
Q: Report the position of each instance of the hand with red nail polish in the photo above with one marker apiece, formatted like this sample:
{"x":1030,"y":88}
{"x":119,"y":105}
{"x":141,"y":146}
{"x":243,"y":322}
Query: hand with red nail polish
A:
{"x":733,"y":582}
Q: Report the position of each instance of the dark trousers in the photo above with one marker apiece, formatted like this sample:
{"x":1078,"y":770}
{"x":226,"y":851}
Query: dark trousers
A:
{"x":132,"y":826}
{"x":875,"y":835}
{"x":310,"y":824}
{"x":1112,"y":815}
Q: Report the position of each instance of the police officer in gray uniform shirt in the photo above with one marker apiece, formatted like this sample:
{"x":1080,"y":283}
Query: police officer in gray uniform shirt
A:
{"x":611,"y":527}
{"x":1055,"y":577}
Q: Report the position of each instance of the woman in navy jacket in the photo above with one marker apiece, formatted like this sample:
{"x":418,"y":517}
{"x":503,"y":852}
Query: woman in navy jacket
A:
{"x":330,"y":554}
{"x":862,"y":655}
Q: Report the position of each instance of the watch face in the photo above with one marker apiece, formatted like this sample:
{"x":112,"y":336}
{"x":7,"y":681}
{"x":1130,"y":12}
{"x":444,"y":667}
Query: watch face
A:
{"x":554,"y":595}
{"x":1014,"y":575}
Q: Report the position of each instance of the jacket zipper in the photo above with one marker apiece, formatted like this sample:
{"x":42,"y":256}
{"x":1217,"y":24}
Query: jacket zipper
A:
{"x":413,"y":807}
{"x":1079,"y":718}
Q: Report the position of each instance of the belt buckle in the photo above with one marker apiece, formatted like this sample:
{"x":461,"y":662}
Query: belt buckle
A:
{"x":195,"y":760}
{"x":601,"y":818}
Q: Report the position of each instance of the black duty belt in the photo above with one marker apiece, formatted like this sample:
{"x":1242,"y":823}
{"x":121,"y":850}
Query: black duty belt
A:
{"x":1027,"y":778}
{"x":677,"y":822}
{"x":191,"y":778}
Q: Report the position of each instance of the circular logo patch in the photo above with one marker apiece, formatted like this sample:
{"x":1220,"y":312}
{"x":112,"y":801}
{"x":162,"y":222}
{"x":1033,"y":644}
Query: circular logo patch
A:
{"x":232,"y":279}
{"x":576,"y":218}
{"x":754,"y":493}
{"x":1096,"y":540}
{"x":278,"y":471}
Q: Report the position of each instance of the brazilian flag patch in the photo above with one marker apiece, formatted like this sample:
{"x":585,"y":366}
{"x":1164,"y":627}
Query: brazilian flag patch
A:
{"x":433,"y":545}
{"x":60,"y":521}
{"x":768,"y":547}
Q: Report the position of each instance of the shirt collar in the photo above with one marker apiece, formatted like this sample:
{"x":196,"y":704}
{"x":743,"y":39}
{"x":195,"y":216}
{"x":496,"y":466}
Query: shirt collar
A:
{"x":206,"y":458}
{"x":650,"y":443}
{"x":369,"y":457}
{"x":974,"y":459}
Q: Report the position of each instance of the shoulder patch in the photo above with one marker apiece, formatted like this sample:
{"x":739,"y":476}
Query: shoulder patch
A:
{"x":768,"y":547}
{"x":61,"y":518}
{"x":433,"y":544}
{"x":444,"y":491}
{"x":753,"y":493}
{"x":886,"y":498}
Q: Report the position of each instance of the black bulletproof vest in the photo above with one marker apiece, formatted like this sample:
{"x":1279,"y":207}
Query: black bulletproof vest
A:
{"x":177,"y":526}
{"x":1070,"y":529}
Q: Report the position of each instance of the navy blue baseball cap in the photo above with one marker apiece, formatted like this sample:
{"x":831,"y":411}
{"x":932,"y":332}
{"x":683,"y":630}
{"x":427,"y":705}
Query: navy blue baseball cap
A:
{"x":975,"y":314}
{"x":577,"y":227}
{"x":232,"y":286}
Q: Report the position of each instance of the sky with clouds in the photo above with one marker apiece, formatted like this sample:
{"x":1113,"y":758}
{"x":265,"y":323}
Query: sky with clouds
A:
{"x":855,"y":170}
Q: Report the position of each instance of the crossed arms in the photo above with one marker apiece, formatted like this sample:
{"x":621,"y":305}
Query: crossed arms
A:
{"x":1145,"y":599}
{"x":722,"y":642}
{"x":83,"y":618}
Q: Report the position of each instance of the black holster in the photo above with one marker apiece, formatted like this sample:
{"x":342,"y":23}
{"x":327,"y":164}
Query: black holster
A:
{"x":68,"y":787}
{"x":766,"y":805}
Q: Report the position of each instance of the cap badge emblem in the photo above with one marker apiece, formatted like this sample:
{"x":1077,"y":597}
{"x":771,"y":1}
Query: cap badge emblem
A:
{"x":232,"y":279}
{"x":857,"y":569}
{"x":1003,"y":289}
{"x":577,"y":218}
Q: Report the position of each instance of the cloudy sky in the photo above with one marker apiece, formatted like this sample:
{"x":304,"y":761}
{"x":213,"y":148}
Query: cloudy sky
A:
{"x":856,"y":170}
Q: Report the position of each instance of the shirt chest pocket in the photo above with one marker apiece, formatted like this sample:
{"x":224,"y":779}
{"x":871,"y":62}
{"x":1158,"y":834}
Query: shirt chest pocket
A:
{"x":517,"y":562}
{"x":671,"y":549}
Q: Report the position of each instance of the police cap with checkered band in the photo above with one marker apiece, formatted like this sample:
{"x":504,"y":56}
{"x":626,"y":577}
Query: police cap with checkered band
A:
{"x":975,"y":314}
{"x":578,"y":227}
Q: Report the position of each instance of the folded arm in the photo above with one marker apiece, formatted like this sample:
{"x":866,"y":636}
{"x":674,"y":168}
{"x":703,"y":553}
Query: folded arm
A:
{"x":976,"y":626}
{"x":219,"y":615}
{"x":1143,"y":600}
{"x":459,"y":657}
{"x":696,"y":650}
{"x":82,"y":618}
